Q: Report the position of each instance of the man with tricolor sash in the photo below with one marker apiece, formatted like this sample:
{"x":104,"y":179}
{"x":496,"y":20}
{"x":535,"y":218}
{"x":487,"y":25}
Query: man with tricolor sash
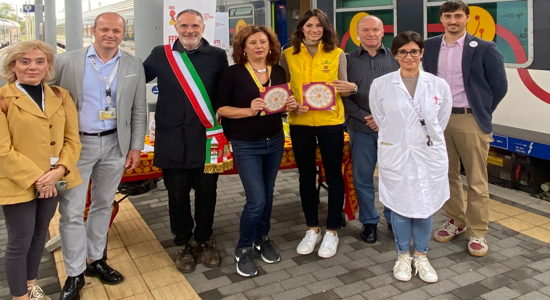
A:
{"x":190,"y":146}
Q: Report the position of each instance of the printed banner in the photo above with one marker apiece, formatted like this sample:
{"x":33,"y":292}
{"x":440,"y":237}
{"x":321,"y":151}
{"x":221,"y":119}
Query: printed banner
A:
{"x":173,"y":7}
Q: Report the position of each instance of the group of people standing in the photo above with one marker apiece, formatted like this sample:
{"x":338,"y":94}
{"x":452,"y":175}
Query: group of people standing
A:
{"x":418,"y":125}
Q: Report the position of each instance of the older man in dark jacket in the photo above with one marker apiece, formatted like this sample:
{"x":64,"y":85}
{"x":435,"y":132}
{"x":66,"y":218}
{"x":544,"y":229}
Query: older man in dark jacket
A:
{"x":180,"y":144}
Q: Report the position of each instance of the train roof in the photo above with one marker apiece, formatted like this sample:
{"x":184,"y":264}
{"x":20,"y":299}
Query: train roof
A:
{"x":11,"y":23}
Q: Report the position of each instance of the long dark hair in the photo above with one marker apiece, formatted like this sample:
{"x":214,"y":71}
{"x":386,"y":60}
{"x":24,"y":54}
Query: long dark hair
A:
{"x":330,"y":38}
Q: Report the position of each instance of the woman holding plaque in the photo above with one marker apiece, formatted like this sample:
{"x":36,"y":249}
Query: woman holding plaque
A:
{"x":411,"y":108}
{"x":39,"y":149}
{"x":318,"y":78}
{"x":255,"y":128}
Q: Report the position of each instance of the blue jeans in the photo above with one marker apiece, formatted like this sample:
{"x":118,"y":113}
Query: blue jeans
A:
{"x":403,"y":227}
{"x":258,"y":163}
{"x":363,"y":151}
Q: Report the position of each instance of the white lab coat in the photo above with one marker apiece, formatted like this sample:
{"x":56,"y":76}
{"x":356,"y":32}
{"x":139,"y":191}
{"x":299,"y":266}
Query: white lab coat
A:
{"x":413,"y":178}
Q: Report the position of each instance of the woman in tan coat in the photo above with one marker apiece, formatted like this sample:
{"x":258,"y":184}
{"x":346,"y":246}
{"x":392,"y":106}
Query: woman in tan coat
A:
{"x":39,"y":149}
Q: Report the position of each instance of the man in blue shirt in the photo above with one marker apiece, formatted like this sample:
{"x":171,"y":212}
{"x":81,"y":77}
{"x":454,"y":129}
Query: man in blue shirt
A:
{"x":108,"y":87}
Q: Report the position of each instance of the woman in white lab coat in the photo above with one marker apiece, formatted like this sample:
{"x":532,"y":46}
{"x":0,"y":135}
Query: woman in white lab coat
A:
{"x":412,"y":109}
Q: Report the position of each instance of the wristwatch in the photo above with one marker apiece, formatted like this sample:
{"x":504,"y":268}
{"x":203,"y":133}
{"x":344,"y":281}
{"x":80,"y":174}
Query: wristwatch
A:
{"x":355,"y":89}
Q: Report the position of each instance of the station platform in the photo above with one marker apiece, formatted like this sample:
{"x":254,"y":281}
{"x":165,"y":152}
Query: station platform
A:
{"x":141,"y":247}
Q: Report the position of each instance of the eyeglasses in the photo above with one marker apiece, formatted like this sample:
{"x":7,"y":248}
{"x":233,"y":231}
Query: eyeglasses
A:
{"x":413,"y":53}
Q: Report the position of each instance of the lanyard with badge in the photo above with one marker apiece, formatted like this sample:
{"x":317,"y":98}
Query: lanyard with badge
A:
{"x":418,"y":111}
{"x":109,"y":112}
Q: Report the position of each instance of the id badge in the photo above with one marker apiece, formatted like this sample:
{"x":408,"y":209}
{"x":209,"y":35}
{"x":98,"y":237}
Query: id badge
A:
{"x":107,"y":114}
{"x":53,"y":161}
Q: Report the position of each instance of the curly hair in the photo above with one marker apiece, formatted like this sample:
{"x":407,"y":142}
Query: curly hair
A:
{"x":19,"y":49}
{"x":330,"y":37}
{"x":239,"y":44}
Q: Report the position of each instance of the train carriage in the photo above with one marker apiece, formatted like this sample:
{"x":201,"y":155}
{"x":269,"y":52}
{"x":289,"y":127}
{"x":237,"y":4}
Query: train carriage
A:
{"x":520,"y":153}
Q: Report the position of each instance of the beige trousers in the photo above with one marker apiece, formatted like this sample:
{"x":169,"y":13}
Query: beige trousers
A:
{"x":467,"y":142}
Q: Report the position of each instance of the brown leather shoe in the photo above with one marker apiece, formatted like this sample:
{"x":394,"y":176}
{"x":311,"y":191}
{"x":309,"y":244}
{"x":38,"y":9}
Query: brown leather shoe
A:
{"x":208,"y":254}
{"x":185,"y":261}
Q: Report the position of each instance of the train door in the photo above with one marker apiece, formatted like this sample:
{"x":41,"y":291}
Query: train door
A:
{"x":279,"y":20}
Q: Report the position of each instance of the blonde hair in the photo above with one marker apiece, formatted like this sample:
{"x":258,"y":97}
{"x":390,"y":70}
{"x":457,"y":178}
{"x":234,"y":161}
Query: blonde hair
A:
{"x":19,"y":49}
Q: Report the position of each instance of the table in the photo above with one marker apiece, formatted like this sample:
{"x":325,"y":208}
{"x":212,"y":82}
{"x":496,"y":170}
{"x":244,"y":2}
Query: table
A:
{"x":145,"y":170}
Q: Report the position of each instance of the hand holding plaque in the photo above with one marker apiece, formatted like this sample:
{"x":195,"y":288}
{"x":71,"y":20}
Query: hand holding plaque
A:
{"x":319,"y":96}
{"x":275,"y":98}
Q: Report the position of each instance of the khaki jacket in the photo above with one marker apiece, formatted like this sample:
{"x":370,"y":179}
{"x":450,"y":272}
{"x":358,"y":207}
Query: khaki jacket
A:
{"x":29,"y":137}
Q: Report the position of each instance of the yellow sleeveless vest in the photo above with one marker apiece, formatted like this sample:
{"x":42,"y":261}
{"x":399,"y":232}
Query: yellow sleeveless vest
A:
{"x":304,"y":69}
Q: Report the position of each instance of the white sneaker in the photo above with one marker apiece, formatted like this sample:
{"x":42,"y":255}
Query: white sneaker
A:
{"x":329,"y":246}
{"x":309,"y":242}
{"x":402,"y":270}
{"x":427,"y":272}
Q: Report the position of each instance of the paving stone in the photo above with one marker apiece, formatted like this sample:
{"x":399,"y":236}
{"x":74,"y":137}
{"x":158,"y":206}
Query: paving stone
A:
{"x":211,"y":295}
{"x":502,"y":293}
{"x":381,"y":280}
{"x":354,"y":297}
{"x":447,"y":296}
{"x":359,"y":264}
{"x":304,"y":269}
{"x":306,"y":259}
{"x":211,"y":284}
{"x":440,"y":287}
{"x":494,"y":269}
{"x":328,"y":295}
{"x":514,"y":251}
{"x":264,"y":291}
{"x":333,"y":261}
{"x":324,"y":285}
{"x":465,"y":267}
{"x":417,"y":294}
{"x":406,"y":286}
{"x":497,"y":281}
{"x":521,"y":273}
{"x":381,"y":293}
{"x":293,"y":294}
{"x":355,"y":275}
{"x":352,"y":289}
{"x":534,"y":295}
{"x":470,"y":291}
{"x":239,"y":296}
{"x":238,"y":287}
{"x":330,"y":272}
{"x":298,"y":281}
{"x":526,"y":286}
{"x":543,"y":277}
{"x":283,"y":264}
{"x":541,"y":266}
{"x":467,"y":278}
{"x":517,"y":262}
{"x":445,"y":273}
{"x":271,"y":278}
{"x":441,"y":262}
{"x":545,"y":290}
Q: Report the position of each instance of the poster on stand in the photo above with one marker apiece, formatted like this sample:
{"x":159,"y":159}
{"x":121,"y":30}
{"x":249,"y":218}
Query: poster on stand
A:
{"x":173,"y":7}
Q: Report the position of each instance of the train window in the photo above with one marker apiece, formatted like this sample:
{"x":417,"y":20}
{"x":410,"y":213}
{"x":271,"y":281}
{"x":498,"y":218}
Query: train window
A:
{"x":361,"y":3}
{"x":241,"y":11}
{"x":349,"y":12}
{"x":239,"y":17}
{"x":508,"y":23}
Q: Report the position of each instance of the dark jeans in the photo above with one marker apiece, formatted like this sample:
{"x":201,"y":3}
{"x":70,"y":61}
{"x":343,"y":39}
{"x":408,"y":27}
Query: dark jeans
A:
{"x":258,"y":164}
{"x":179,"y":183}
{"x":331,"y":143}
{"x":27,"y":224}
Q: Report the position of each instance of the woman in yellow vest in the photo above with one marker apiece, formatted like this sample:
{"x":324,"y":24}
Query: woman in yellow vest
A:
{"x":315,"y":57}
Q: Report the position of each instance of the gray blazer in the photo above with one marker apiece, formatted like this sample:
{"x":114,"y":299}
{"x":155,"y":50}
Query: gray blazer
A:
{"x":131,"y":103}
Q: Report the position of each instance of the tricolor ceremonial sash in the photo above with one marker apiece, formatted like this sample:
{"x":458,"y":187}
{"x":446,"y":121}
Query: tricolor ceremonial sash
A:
{"x":218,"y":155}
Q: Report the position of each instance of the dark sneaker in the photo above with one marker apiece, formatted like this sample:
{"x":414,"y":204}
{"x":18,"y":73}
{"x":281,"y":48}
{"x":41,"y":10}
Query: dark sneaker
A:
{"x":244,"y":262}
{"x":208,"y":254}
{"x":185,"y":261}
{"x":265,"y":249}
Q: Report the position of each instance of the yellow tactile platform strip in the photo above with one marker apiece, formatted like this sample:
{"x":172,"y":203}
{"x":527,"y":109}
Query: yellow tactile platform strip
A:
{"x":522,"y":221}
{"x":134,"y":250}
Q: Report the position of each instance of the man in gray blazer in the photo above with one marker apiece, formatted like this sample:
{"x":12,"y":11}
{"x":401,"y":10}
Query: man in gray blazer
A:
{"x":108,"y":87}
{"x":475,"y":72}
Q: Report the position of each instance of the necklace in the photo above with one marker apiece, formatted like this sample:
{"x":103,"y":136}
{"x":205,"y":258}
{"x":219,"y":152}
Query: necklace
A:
{"x":261,"y":71}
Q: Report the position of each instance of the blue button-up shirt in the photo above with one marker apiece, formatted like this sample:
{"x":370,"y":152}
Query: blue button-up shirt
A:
{"x":94,"y":96}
